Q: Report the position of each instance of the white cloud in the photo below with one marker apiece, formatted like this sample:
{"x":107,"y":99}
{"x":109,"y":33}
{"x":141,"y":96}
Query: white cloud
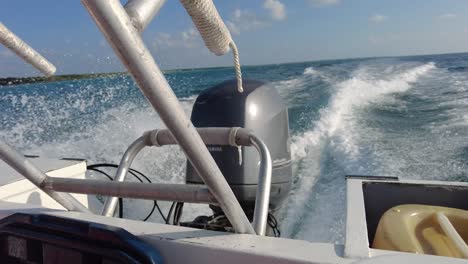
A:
{"x":322,"y":3}
{"x":186,"y":39}
{"x":276,"y":8}
{"x":164,"y":39}
{"x":244,"y":20}
{"x":233,"y":28}
{"x":377,"y":18}
{"x":447,"y":16}
{"x":190,"y":36}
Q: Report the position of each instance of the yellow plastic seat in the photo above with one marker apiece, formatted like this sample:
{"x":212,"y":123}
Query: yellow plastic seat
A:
{"x":424,"y":229}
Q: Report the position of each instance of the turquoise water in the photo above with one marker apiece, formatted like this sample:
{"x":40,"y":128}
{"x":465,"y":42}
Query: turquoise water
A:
{"x":402,"y":116}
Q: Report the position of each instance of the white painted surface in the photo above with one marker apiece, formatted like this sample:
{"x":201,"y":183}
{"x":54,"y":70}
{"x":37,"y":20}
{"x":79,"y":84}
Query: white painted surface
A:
{"x":357,"y":242}
{"x":410,"y":258}
{"x":186,"y":245}
{"x":15,"y":188}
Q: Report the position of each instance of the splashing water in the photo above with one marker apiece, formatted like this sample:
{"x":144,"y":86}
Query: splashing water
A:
{"x":333,"y":140}
{"x":399,"y":116}
{"x":310,"y":71}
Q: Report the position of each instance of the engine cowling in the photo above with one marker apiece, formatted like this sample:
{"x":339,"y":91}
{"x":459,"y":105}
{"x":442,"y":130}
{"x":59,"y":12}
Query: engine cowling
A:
{"x":261,"y":109}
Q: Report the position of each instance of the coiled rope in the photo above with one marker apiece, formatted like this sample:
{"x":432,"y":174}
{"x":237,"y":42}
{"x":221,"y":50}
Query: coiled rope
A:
{"x":214,"y":32}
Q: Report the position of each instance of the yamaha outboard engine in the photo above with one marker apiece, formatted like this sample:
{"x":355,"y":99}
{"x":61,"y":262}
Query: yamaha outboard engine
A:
{"x":261,"y":109}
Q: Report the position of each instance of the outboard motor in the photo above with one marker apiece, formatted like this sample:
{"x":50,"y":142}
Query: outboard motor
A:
{"x":261,"y":109}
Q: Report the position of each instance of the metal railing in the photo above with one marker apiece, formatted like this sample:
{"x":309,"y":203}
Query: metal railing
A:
{"x":37,"y":177}
{"x":23,"y":50}
{"x":122,"y":27}
{"x":58,"y":188}
{"x":211,"y":136}
{"x":125,"y":39}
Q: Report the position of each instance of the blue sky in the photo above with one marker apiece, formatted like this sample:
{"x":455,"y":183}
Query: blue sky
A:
{"x":266,"y":31}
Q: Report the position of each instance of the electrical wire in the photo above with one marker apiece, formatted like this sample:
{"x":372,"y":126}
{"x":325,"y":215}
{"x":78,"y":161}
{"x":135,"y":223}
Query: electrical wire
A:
{"x":178,"y":213}
{"x":176,"y":209}
{"x":134,"y":173}
{"x":170,"y":213}
{"x":273,"y":223}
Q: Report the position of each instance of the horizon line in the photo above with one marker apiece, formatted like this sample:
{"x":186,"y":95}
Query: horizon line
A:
{"x":246,"y":65}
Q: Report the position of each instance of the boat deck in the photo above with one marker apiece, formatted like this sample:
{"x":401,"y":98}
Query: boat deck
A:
{"x":52,"y":167}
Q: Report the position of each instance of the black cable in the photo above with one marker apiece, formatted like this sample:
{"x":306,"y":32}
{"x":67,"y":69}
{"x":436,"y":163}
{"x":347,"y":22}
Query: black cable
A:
{"x":133,"y":172}
{"x":155,"y":205}
{"x":168,"y":218}
{"x":100,"y":171}
{"x":273,"y":223}
{"x":160,"y":212}
{"x":141,"y":174}
{"x":178,"y":213}
{"x":151,"y":212}
{"x":94,"y":166}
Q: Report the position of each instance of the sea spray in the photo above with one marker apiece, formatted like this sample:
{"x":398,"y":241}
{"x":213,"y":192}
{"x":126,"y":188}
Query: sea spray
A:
{"x":404,"y":117}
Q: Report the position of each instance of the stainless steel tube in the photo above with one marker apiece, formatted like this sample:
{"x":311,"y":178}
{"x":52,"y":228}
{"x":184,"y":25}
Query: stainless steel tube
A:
{"x":221,"y":136}
{"x":262,"y":199}
{"x":14,"y":43}
{"x":37,"y":177}
{"x":143,"y":11}
{"x":125,"y":163}
{"x":126,"y":41}
{"x":190,"y":193}
{"x":209,"y":135}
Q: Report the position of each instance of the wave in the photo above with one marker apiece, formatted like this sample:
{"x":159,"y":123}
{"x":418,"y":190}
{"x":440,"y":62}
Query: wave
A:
{"x":310,"y":71}
{"x":332,"y":137}
{"x":358,"y":91}
{"x":99,"y":142}
{"x":457,"y":69}
{"x":293,"y":90}
{"x":334,"y":140}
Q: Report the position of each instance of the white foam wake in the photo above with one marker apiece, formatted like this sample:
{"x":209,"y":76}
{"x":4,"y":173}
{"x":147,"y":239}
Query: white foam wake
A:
{"x":333,"y":139}
{"x":298,"y":86}
{"x":100,"y":142}
{"x":358,"y":91}
{"x":105,"y":142}
{"x":310,"y":71}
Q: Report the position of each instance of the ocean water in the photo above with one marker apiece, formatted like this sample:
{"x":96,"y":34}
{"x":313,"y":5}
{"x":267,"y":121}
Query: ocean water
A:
{"x":404,"y":116}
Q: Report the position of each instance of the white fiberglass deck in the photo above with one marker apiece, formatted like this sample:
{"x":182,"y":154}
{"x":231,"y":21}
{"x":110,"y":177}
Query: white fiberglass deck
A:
{"x":187,"y":245}
{"x":15,"y":188}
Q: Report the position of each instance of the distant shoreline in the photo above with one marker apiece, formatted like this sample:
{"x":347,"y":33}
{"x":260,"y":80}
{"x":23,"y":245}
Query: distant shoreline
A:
{"x":25,"y":80}
{"x":7,"y":81}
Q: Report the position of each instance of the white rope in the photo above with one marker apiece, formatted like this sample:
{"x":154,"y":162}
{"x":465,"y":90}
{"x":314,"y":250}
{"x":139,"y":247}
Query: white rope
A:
{"x":237,"y":67}
{"x":210,"y":25}
{"x":214,"y":32}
